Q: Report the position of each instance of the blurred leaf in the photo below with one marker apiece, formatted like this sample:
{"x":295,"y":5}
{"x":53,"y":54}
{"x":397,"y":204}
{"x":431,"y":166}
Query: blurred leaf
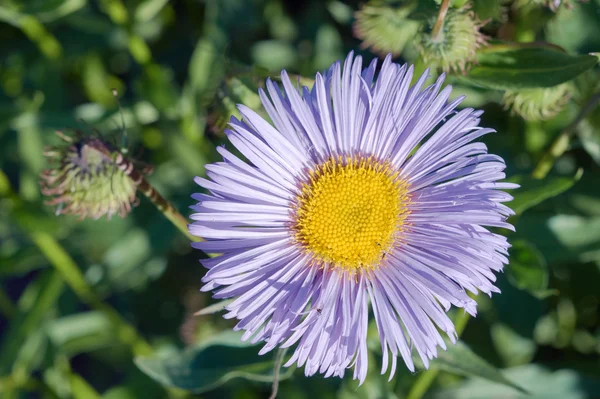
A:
{"x":31,"y":353}
{"x":562,"y":237}
{"x":527,"y":269}
{"x":148,"y":9}
{"x":575,"y":28}
{"x":274,"y":54}
{"x":534,"y":191}
{"x":540,"y":382}
{"x":22,"y":261}
{"x":518,"y":66}
{"x":125,"y":258}
{"x":82,"y":332}
{"x":512,"y":347}
{"x":489,"y":9}
{"x":460,"y":359}
{"x":51,"y":10}
{"x":244,"y":93}
{"x":81,"y":389}
{"x":157,"y":85}
{"x":589,"y":135}
{"x":33,"y":308}
{"x":576,"y":232}
{"x":211,"y":365}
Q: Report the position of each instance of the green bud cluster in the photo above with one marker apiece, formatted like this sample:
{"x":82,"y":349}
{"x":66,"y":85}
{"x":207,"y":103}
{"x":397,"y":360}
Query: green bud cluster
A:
{"x":385,"y":28}
{"x":455,"y":45}
{"x":538,"y":103}
{"x":85,"y":179}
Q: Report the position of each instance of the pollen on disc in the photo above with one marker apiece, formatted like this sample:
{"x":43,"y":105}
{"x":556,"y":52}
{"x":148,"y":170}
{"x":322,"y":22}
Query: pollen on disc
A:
{"x":350,"y":211}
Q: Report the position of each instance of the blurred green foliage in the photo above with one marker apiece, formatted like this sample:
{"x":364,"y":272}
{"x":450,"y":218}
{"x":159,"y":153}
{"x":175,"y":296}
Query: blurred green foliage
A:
{"x":79,"y":300}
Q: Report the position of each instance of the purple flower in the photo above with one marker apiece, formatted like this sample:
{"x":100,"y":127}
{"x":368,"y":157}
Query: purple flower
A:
{"x":361,"y":191}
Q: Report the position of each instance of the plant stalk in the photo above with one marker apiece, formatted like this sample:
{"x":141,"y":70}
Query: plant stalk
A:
{"x":439,"y":22}
{"x":561,"y":143}
{"x":160,"y":202}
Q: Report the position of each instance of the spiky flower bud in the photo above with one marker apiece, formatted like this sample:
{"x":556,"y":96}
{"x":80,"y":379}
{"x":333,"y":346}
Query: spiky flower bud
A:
{"x":538,"y":103}
{"x":385,"y":28}
{"x":453,"y":47}
{"x":87,"y":179}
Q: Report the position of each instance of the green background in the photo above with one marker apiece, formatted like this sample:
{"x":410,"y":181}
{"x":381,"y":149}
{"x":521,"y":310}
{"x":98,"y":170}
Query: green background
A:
{"x":179,"y":68}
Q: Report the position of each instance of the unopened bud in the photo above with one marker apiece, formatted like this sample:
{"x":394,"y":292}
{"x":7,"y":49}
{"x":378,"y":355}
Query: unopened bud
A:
{"x":385,"y":28}
{"x":538,"y":104}
{"x":454,"y":47}
{"x":86,"y":179}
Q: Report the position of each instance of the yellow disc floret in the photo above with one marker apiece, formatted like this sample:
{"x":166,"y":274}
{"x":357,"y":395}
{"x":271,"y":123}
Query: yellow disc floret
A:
{"x":350,"y":211}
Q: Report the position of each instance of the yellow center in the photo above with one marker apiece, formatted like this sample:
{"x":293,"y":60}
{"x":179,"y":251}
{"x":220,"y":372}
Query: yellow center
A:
{"x":350,"y":211}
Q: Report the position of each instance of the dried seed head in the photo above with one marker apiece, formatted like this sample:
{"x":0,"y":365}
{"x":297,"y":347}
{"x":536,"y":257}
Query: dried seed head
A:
{"x":86,"y":180}
{"x":538,"y":103}
{"x":454,"y":47}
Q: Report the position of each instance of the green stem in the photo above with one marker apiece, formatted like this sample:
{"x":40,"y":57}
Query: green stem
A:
{"x":561,"y":144}
{"x":428,"y":377}
{"x":276,"y":370}
{"x":160,"y":202}
{"x":439,"y":22}
{"x":423,"y":383}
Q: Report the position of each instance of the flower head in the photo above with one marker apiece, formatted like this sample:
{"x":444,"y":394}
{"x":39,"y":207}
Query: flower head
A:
{"x":362,"y":191}
{"x":86,"y":179}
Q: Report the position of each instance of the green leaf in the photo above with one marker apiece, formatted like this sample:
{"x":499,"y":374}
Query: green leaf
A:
{"x":81,"y":389}
{"x":534,"y":191}
{"x":274,"y":54}
{"x":527,"y":269}
{"x":514,"y":348}
{"x":519,"y":66}
{"x":589,"y":135}
{"x":212,"y":364}
{"x":148,"y":9}
{"x":81,"y":332}
{"x":34,"y":306}
{"x":575,"y":232}
{"x":539,"y":382}
{"x":460,"y":359}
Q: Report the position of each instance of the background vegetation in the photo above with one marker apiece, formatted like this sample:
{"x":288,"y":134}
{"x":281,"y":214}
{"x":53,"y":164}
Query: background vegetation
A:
{"x":104,"y":309}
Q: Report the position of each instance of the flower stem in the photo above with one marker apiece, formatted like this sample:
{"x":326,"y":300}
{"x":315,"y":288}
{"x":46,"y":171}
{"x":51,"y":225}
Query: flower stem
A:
{"x":561,"y":143}
{"x":439,"y":22}
{"x":276,"y":370}
{"x":160,"y":202}
{"x":426,"y":379}
{"x":422,"y":384}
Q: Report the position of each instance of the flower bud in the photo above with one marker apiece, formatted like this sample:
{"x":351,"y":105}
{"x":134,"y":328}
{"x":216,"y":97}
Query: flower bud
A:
{"x":385,"y":28}
{"x":86,"y":180}
{"x":538,"y":103}
{"x":453,"y":47}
